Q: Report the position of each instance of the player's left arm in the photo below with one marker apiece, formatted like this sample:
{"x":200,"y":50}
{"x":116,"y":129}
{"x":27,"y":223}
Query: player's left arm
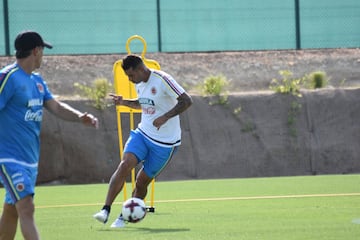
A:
{"x":68,"y":113}
{"x":184,"y":101}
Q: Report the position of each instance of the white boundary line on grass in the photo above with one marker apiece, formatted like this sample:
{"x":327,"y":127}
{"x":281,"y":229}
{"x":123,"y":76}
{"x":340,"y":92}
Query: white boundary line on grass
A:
{"x":218,"y":199}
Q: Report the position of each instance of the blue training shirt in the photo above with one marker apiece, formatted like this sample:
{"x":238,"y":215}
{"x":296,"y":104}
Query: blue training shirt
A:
{"x":21,"y":109}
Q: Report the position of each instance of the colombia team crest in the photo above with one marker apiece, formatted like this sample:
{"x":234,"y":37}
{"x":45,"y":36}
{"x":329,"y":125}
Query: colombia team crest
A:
{"x":153,"y":91}
{"x":40,"y":87}
{"x":20,"y":187}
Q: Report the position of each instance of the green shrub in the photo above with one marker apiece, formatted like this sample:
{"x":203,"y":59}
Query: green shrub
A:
{"x":287,"y":85}
{"x":215,"y":86}
{"x":98,"y":92}
{"x":317,"y":79}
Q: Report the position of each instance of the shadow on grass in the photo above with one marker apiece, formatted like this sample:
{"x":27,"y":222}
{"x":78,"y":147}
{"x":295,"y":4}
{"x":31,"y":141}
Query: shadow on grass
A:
{"x":162,"y":230}
{"x":149,"y":230}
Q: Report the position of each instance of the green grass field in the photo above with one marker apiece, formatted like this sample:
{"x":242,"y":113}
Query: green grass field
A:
{"x":312,"y":207}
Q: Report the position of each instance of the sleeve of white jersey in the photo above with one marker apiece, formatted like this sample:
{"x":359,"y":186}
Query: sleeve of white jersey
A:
{"x":172,"y":87}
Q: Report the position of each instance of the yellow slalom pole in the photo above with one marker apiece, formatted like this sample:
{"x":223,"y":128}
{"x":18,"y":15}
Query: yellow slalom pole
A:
{"x":133,"y":170}
{"x":121,"y":145}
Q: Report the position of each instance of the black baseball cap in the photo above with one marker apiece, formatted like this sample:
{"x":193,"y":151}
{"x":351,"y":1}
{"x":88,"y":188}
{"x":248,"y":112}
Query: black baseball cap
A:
{"x":28,"y":40}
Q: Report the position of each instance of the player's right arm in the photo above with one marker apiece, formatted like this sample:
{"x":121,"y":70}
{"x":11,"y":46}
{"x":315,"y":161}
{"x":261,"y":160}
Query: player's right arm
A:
{"x":131,"y":103}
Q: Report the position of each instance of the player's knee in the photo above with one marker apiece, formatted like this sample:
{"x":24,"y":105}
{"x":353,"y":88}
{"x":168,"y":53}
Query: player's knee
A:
{"x":128,"y":163}
{"x":125,"y":166}
{"x":25,"y":207}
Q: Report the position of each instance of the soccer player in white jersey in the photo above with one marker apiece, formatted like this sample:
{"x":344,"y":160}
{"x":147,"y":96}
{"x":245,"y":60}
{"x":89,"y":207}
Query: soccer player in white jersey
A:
{"x":23,"y":94}
{"x":157,"y":136}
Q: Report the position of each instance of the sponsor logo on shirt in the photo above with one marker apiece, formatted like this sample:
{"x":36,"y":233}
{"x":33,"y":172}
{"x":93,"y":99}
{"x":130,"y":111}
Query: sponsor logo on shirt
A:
{"x":147,"y":106}
{"x":146,"y":101}
{"x":149,"y":110}
{"x":35,"y":102}
{"x":33,"y":116}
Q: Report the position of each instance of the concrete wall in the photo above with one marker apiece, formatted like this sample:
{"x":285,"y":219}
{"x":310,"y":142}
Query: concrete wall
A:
{"x":249,"y":137}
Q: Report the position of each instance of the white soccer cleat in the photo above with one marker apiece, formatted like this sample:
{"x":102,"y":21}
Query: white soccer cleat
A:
{"x":118,"y":223}
{"x":102,"y":216}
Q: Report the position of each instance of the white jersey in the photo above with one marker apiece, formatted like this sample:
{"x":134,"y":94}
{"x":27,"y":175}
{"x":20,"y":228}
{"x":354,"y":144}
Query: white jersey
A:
{"x":157,"y":96}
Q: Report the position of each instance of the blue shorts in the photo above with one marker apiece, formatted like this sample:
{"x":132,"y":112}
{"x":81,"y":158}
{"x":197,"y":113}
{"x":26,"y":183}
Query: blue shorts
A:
{"x":19,"y":181}
{"x":153,"y":157}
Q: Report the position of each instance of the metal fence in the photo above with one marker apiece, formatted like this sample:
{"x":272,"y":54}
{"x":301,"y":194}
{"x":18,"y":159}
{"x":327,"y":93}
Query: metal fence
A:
{"x":102,"y":27}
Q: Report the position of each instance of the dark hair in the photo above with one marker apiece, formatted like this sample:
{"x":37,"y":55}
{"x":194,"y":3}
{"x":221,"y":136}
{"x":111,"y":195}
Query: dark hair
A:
{"x":22,"y":54}
{"x":131,"y":61}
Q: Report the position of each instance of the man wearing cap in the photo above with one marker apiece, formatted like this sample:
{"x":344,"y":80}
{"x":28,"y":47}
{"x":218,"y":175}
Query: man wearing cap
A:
{"x":23,"y":94}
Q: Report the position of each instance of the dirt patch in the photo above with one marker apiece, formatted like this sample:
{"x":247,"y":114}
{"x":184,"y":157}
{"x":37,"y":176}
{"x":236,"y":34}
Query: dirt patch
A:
{"x":246,"y":70}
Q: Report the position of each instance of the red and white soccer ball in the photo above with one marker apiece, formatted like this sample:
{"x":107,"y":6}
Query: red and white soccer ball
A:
{"x":133,"y":210}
